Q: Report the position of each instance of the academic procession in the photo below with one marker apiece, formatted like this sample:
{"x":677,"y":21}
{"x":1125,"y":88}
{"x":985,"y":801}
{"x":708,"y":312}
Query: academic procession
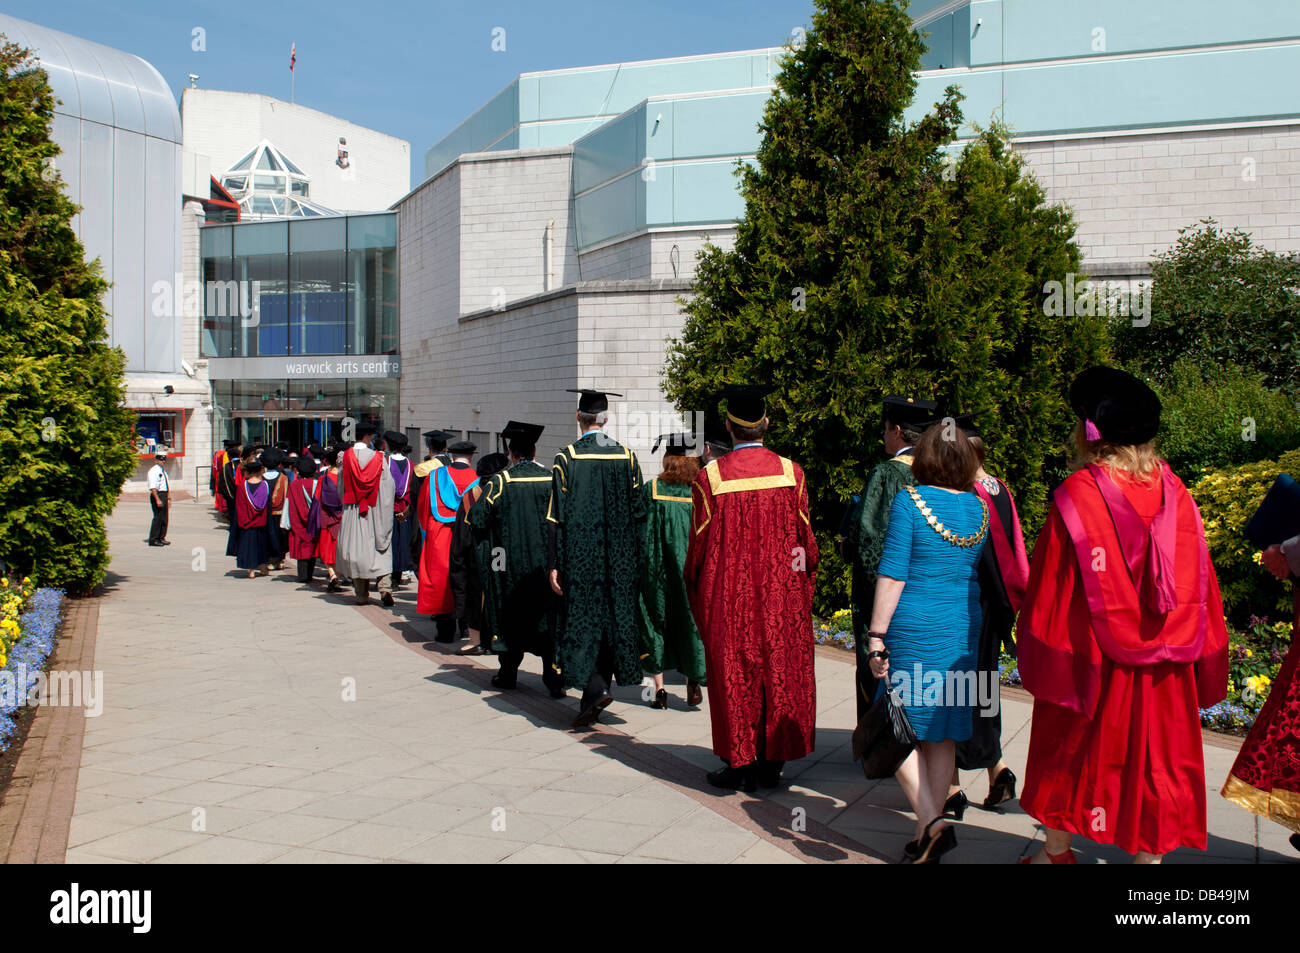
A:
{"x":707,"y":570}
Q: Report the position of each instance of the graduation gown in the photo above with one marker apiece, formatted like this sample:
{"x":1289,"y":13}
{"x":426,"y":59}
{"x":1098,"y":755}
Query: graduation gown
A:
{"x":228,"y":481}
{"x":510,"y":520}
{"x":1002,"y":572}
{"x":598,"y":512}
{"x":327,"y":515}
{"x":218,"y":461}
{"x":462,"y":570}
{"x":1122,"y":640}
{"x":234,"y":478}
{"x":300,"y":497}
{"x":279,"y":483}
{"x":669,"y":638}
{"x":253,"y":548}
{"x":366,"y":525}
{"x":436,"y":510}
{"x":418,"y":476}
{"x":749,"y":574}
{"x":864,"y":543}
{"x":1265,"y":778}
{"x":403,"y":514}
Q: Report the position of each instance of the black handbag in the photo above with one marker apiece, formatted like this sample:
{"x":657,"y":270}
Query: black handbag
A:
{"x":884,"y":737}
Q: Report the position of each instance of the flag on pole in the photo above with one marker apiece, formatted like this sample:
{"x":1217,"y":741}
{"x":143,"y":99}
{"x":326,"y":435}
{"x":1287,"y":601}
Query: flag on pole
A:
{"x":293,"y":55}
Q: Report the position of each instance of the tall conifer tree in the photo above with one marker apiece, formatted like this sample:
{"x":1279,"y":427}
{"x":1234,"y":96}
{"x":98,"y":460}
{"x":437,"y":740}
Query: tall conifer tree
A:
{"x":871,"y":259}
{"x":64,"y":436}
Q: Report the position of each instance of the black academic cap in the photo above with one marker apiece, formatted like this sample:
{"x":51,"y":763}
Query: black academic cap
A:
{"x":1125,"y":410}
{"x":306,"y":467}
{"x":527,"y":433}
{"x":394,"y":440}
{"x":592,"y":401}
{"x":746,"y":404}
{"x":437,"y":436}
{"x":677,"y":444}
{"x":909,"y":410}
{"x":230,"y":444}
{"x":272,"y":458}
{"x":282,"y":445}
{"x":315,"y":450}
{"x":331,"y":455}
{"x":365,"y":430}
{"x":490,"y":463}
{"x":463,"y":447}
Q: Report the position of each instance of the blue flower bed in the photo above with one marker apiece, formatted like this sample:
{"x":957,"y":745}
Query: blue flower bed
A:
{"x":1227,"y":716}
{"x":28,"y":654}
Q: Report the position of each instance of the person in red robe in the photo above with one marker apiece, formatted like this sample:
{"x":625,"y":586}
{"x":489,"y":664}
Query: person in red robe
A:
{"x":749,"y":577}
{"x":435,"y":511}
{"x":1122,"y":640}
{"x":327,"y":514}
{"x":219,"y":460}
{"x":299,"y":501}
{"x":1265,"y":777}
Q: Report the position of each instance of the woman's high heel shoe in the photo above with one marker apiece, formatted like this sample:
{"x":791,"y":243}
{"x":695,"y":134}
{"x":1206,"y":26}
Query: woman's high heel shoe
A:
{"x":1003,"y":789}
{"x":956,"y":805}
{"x":931,"y":846}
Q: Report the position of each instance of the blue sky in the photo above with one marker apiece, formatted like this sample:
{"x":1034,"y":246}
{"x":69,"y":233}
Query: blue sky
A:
{"x":410,"y":69}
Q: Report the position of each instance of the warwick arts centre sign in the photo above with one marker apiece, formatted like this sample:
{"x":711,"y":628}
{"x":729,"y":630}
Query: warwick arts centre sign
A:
{"x":313,"y":367}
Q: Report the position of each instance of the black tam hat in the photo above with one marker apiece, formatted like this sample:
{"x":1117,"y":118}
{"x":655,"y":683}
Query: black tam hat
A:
{"x":365,"y":430}
{"x":463,"y":447}
{"x":746,"y":403}
{"x":677,"y":444}
{"x":395,"y":441}
{"x":1124,"y":410}
{"x":272,"y":458}
{"x":306,"y":467}
{"x":491,"y":463}
{"x":901,"y":411}
{"x":592,"y":401}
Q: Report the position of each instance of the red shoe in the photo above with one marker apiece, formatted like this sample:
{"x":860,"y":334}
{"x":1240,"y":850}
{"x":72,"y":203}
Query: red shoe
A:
{"x":1065,"y":858}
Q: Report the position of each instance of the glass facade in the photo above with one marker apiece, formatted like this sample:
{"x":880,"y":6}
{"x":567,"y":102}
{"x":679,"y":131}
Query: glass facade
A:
{"x":313,"y":288}
{"x":321,"y":286}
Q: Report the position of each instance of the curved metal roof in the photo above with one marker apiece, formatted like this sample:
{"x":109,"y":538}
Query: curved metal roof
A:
{"x":99,"y":83}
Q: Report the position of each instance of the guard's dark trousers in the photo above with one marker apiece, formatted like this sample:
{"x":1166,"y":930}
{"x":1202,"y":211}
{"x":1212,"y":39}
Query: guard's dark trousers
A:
{"x":158,"y":530}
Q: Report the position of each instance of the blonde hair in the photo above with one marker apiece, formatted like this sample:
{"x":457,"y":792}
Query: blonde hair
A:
{"x":1139,"y":461}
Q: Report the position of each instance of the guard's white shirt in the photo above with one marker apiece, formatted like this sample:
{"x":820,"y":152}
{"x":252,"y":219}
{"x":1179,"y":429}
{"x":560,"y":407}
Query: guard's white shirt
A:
{"x":157,"y":478}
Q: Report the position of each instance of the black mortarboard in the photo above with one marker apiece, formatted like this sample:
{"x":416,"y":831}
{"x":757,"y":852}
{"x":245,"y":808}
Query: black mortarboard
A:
{"x":1124,"y":409}
{"x":316,"y":450}
{"x":490,"y":463}
{"x":964,"y":422}
{"x":909,"y":410}
{"x":677,"y":444}
{"x":394,"y":440}
{"x":272,"y":458}
{"x":528,"y":433}
{"x":306,"y":467}
{"x":746,"y":404}
{"x":715,"y":433}
{"x":230,"y":444}
{"x":365,"y":430}
{"x":438,"y":436}
{"x":463,"y":447}
{"x":592,"y":401}
{"x":282,"y":445}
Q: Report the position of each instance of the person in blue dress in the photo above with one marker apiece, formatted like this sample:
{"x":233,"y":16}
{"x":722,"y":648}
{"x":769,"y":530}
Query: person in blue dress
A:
{"x":925,"y":622}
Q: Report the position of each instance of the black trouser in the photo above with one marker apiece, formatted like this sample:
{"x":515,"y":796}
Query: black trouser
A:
{"x":306,"y":569}
{"x":602,"y":676}
{"x":158,"y":530}
{"x":511,"y":660}
{"x":446,"y":627}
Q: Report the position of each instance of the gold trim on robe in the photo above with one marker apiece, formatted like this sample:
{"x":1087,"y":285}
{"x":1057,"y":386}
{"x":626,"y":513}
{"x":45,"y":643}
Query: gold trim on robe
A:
{"x":1276,"y":805}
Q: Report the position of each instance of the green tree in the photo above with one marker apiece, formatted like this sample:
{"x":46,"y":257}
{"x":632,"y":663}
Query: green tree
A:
{"x":1219,"y":299}
{"x":64,"y":438}
{"x":871,"y":259}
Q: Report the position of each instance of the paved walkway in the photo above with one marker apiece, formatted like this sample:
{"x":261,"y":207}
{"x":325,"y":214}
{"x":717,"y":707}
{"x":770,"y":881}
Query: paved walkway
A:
{"x":259,"y":721}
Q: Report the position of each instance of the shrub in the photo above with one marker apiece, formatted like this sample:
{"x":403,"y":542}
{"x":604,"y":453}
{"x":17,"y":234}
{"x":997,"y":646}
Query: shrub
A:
{"x":1216,"y":417}
{"x":1219,"y":299}
{"x":1227,"y":499}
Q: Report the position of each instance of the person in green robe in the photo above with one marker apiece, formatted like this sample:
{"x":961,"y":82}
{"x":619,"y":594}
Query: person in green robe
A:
{"x":510,"y":521}
{"x":864,"y":538}
{"x":597,"y":536}
{"x":669,"y":638}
